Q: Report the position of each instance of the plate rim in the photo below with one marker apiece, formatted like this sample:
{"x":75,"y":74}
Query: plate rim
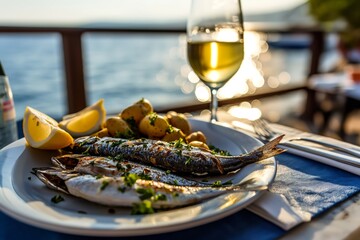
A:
{"x":147,"y":230}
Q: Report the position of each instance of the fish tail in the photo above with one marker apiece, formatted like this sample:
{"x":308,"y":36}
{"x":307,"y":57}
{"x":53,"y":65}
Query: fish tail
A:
{"x":270,"y":149}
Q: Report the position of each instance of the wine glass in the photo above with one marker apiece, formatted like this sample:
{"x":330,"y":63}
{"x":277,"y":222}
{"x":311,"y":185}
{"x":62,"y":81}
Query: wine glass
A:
{"x":215,"y":43}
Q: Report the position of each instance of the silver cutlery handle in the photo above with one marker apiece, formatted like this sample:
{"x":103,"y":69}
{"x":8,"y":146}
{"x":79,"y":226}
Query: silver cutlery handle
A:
{"x":326,"y":144}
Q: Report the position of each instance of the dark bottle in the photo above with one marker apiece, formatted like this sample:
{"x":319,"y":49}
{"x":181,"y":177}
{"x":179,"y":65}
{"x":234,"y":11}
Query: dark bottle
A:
{"x":8,"y":128}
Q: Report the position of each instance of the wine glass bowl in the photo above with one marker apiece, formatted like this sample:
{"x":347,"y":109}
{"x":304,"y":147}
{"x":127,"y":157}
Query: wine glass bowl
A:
{"x":215,"y":43}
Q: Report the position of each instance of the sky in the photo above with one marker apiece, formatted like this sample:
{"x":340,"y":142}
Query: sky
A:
{"x":69,"y":12}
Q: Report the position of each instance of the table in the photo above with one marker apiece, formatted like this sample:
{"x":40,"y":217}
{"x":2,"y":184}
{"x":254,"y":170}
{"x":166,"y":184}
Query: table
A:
{"x":334,"y":93}
{"x":352,"y":103}
{"x":337,"y":223}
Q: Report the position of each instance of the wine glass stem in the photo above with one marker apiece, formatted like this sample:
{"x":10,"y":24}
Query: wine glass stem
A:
{"x":214,"y":105}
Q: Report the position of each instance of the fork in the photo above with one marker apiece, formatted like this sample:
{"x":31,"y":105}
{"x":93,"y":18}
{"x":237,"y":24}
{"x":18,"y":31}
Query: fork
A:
{"x":265,"y":133}
{"x":263,"y":130}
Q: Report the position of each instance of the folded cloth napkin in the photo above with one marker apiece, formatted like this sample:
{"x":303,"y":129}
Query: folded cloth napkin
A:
{"x":276,"y":209}
{"x":303,"y":189}
{"x":272,"y":206}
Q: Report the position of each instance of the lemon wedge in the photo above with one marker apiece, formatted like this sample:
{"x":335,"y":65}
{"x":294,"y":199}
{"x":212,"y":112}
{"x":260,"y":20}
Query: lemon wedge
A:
{"x":42,"y":131}
{"x":85,"y":122}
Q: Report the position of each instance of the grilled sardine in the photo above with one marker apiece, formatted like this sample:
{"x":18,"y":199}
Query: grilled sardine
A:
{"x":98,"y":165}
{"x":175,"y":156}
{"x":126,"y":191}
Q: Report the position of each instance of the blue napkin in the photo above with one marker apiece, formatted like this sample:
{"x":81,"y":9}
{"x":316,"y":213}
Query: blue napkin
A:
{"x":312,"y":186}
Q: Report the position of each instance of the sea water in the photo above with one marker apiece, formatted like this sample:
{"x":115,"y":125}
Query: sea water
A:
{"x":121,"y":68}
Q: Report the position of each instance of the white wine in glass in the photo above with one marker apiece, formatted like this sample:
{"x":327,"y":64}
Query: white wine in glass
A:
{"x":215,"y":43}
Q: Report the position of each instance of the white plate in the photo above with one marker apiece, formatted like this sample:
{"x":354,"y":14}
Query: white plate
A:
{"x":25,"y":198}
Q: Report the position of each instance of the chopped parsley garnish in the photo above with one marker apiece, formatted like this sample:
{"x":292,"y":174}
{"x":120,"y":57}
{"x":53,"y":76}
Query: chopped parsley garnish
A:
{"x":168,"y":172}
{"x":57,"y":199}
{"x":144,"y":176}
{"x":98,"y":176}
{"x":217,"y":151}
{"x":188,"y":160}
{"x":178,"y":152}
{"x":120,"y":167}
{"x":117,"y":142}
{"x":131,"y":122}
{"x":145,"y":207}
{"x":188,"y":147}
{"x":175,"y":182}
{"x":178,"y":143}
{"x":145,"y":193}
{"x":160,"y":197}
{"x":170,"y":129}
{"x":217,"y":184}
{"x":130,"y":179}
{"x":104,"y":184}
{"x":142,"y":100}
{"x":147,"y":196}
{"x":149,"y":193}
{"x":122,"y":189}
{"x":152,"y":118}
{"x":128,"y":134}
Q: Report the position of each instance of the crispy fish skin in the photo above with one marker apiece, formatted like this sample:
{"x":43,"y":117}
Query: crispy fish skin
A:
{"x":115,"y":191}
{"x":99,"y":165}
{"x":181,"y":158}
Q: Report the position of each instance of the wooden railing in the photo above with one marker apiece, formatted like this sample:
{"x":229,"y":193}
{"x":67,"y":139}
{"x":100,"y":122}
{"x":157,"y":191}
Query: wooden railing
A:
{"x":74,"y":67}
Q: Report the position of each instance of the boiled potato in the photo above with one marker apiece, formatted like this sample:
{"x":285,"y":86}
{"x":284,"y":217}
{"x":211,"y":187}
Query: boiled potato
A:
{"x":153,"y":126}
{"x":137,"y":111}
{"x":180,"y":121}
{"x":199,"y":145}
{"x":173,"y":134}
{"x":117,"y":127}
{"x":196,"y":136}
{"x":146,"y":105}
{"x":102,"y":133}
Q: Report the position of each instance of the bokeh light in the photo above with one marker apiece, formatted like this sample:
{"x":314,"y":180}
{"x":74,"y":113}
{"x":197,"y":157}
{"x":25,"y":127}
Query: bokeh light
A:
{"x":247,"y":80}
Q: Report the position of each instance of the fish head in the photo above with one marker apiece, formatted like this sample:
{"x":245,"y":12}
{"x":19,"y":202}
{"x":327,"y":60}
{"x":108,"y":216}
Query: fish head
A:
{"x":55,"y":178}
